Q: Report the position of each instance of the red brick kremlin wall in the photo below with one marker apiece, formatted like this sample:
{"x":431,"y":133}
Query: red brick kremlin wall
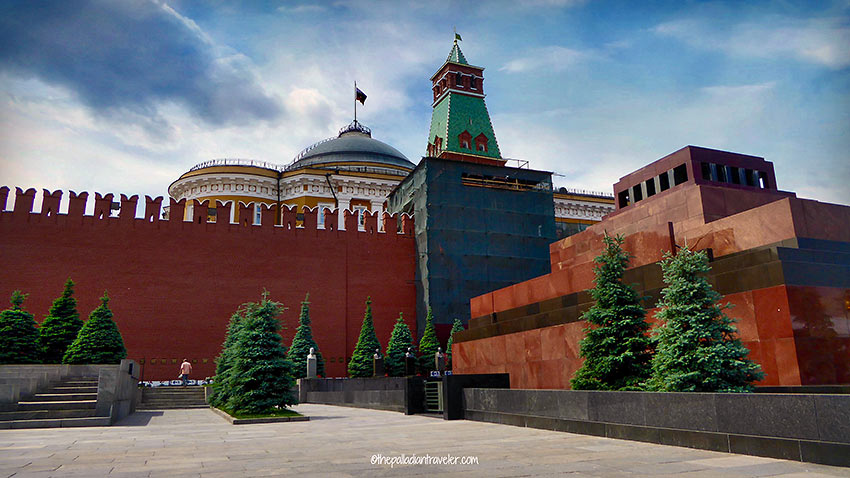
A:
{"x":793,"y":313}
{"x":173,"y":285}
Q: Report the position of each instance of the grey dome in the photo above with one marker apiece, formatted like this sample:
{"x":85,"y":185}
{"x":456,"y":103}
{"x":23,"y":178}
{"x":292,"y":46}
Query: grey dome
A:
{"x":353,"y":145}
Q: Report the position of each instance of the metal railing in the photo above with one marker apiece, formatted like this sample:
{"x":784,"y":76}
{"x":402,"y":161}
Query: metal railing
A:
{"x":237,"y":162}
{"x":584,"y":192}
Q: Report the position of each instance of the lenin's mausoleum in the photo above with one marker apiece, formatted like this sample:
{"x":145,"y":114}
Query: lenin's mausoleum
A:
{"x":465,"y":232}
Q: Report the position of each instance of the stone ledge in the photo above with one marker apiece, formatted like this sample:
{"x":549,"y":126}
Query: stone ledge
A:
{"x":249,"y":421}
{"x":811,"y":451}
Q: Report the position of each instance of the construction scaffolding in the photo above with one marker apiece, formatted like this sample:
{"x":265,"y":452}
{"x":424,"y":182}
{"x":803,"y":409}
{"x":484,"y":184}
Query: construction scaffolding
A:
{"x":478,"y":228}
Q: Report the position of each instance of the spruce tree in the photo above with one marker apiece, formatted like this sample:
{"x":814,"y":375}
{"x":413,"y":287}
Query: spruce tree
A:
{"x":18,"y":334}
{"x":615,"y":348}
{"x":400,"y":341}
{"x":697,"y":345}
{"x":302,"y":342}
{"x":99,"y":341}
{"x":457,"y":326}
{"x":260,"y":375}
{"x":224,"y":362}
{"x":361,"y":359}
{"x":61,"y":325}
{"x":428,"y":345}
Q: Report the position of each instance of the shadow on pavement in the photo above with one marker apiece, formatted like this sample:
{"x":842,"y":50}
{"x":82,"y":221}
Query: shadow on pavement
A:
{"x":138,"y":419}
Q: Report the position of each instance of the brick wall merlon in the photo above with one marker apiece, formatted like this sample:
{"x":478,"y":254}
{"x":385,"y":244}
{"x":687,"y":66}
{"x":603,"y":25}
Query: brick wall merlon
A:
{"x":104,"y":205}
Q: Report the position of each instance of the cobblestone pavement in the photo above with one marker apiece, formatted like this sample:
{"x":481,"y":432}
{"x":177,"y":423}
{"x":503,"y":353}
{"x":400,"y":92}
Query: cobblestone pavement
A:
{"x":341,"y":442}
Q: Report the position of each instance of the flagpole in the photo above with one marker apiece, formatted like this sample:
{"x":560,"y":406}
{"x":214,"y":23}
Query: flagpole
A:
{"x":355,"y":101}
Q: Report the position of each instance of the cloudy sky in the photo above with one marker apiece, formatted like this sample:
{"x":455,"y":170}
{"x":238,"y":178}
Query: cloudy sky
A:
{"x":124,"y":96}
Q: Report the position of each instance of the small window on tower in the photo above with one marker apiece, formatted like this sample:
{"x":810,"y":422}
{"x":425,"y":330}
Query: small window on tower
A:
{"x":472,"y":83}
{"x":458,"y":79}
{"x":481,"y":143}
{"x":465,"y":140}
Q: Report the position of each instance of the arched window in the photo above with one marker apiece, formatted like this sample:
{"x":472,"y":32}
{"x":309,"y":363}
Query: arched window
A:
{"x":458,"y":79}
{"x":472,"y":83}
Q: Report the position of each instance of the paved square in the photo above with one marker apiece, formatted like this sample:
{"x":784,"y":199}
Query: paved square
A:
{"x":340,"y":442}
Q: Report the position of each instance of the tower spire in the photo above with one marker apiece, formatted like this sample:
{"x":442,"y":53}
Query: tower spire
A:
{"x":460,"y":124}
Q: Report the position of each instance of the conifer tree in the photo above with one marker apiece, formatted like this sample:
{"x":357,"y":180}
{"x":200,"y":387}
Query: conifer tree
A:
{"x":428,"y":345}
{"x":18,"y":334}
{"x":224,"y":362}
{"x":260,"y":375}
{"x":615,"y":348}
{"x":302,"y":342}
{"x":457,"y":326}
{"x":400,"y":341}
{"x":697,"y":345}
{"x":61,"y":325}
{"x":361,"y":359}
{"x":99,"y":340}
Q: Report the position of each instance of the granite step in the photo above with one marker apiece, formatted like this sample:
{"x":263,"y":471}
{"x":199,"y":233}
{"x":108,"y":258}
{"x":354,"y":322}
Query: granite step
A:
{"x":45,"y":414}
{"x":62,"y":397}
{"x":58,"y":423}
{"x":64,"y":405}
{"x":73,"y":389}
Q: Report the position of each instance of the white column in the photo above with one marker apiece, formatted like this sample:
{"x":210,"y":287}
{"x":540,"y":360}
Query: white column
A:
{"x":377,"y":206}
{"x":343,"y":204}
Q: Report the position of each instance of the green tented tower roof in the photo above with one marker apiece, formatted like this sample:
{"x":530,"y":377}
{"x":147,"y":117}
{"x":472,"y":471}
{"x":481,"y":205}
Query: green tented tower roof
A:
{"x":460,"y":123}
{"x":456,"y":56}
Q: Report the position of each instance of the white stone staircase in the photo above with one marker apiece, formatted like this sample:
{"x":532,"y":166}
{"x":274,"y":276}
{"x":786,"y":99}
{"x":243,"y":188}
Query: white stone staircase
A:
{"x":70,"y":402}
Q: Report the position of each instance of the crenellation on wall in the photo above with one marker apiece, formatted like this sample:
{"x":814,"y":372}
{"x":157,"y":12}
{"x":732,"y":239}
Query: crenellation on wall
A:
{"x":102,"y":205}
{"x":77,"y":204}
{"x":127,"y":213}
{"x":24,"y":201}
{"x":222,"y":209}
{"x":304,"y":223}
{"x":152,"y":209}
{"x":50,"y":203}
{"x":350,"y":218}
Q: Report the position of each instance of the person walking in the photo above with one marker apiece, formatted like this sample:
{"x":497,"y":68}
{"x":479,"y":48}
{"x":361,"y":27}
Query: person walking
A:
{"x":185,"y":370}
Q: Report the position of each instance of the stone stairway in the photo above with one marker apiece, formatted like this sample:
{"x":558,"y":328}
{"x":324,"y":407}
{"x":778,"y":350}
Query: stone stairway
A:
{"x":68,"y":403}
{"x":161,"y":398}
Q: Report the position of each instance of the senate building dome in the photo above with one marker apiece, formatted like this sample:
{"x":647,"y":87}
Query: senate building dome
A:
{"x":353,"y":150}
{"x":350,"y":171}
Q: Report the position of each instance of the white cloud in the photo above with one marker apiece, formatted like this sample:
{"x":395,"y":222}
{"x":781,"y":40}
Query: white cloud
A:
{"x":550,"y":58}
{"x":822,"y":41}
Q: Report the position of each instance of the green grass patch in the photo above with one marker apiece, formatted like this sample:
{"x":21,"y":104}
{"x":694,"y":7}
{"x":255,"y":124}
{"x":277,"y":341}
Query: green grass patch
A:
{"x":269,"y":414}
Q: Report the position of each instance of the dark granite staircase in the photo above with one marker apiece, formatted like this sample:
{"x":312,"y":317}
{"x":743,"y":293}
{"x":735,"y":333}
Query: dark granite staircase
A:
{"x":68,"y":403}
{"x":172,"y":397}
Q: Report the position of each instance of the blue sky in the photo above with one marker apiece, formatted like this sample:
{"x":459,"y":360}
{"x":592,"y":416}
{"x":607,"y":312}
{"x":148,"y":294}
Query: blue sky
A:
{"x":124,"y":96}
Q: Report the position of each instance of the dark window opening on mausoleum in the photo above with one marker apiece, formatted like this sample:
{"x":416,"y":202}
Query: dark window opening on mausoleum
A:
{"x":624,"y":198}
{"x":680,"y":175}
{"x":638,"y":194}
{"x":650,"y":187}
{"x":664,"y":181}
{"x":734,"y":175}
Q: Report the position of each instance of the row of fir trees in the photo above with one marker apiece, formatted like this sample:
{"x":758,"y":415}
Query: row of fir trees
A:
{"x":256,"y":373}
{"x":694,"y":347}
{"x":401,"y":341}
{"x":62,"y":336}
